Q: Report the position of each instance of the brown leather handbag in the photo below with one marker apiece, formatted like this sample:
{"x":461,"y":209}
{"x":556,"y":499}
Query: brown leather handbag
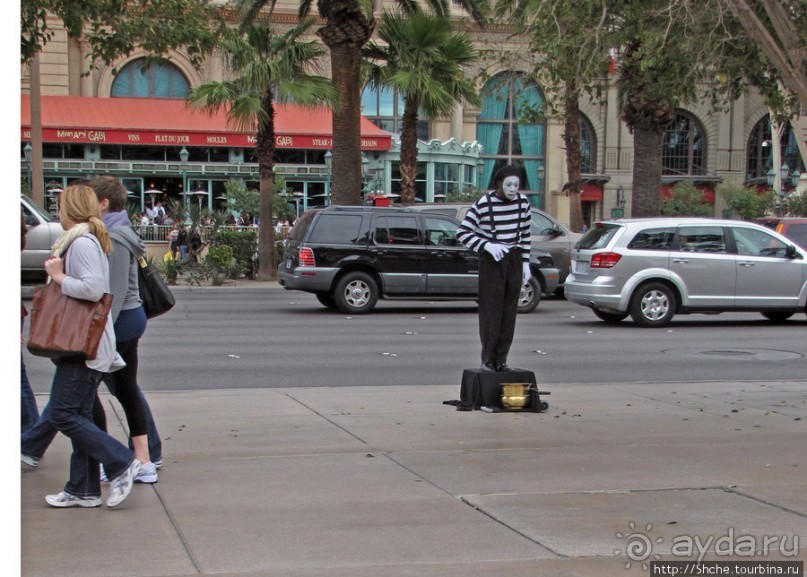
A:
{"x":64,"y":327}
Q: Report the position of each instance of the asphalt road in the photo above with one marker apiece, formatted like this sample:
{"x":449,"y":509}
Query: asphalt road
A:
{"x":257,"y":335}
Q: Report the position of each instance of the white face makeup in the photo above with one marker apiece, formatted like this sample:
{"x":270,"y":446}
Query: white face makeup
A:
{"x":510,"y":187}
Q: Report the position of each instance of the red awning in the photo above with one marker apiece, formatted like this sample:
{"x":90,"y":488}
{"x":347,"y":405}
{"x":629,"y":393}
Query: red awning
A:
{"x":591,"y":192}
{"x":148,"y":121}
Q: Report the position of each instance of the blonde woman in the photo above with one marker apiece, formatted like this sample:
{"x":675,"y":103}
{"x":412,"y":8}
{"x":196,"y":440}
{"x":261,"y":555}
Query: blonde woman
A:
{"x":79,"y":266}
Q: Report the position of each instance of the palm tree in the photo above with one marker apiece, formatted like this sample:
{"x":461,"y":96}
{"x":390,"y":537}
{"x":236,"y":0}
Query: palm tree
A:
{"x":268,"y":68}
{"x":423,"y":60}
{"x":349,"y":24}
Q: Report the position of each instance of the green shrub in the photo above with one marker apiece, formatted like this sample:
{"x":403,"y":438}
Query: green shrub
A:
{"x":244,"y":243}
{"x":795,"y":204}
{"x":221,"y":257}
{"x":746,"y":203}
{"x":686,"y":199}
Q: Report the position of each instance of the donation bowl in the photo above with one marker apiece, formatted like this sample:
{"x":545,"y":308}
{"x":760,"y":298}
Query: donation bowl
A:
{"x":515,"y":395}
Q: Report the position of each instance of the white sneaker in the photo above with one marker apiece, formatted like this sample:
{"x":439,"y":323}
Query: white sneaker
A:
{"x":104,"y":478}
{"x":67,"y":500}
{"x":159,"y":463}
{"x":147,"y":474}
{"x":122,"y":484}
{"x":32,"y":462}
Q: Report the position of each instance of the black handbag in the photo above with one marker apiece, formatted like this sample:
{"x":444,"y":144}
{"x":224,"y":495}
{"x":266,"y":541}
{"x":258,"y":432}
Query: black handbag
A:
{"x":157,"y":298}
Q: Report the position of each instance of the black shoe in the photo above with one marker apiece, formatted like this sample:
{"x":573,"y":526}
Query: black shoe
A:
{"x":488,"y":368}
{"x":503,"y":368}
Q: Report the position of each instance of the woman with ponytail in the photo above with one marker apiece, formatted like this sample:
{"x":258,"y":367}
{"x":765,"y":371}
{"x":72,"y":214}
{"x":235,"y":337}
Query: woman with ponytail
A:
{"x":79,"y":266}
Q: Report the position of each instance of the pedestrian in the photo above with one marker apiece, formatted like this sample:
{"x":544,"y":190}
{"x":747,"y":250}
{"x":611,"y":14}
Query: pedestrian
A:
{"x":497,"y":226}
{"x":173,"y":238}
{"x":80,"y":267}
{"x":29,"y":411}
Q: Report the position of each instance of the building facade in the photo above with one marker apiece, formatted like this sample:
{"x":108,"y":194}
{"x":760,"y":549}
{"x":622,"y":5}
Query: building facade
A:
{"x":457,"y":154}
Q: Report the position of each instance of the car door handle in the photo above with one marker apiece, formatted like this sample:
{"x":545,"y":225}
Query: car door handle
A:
{"x":745,"y":263}
{"x":681,"y":260}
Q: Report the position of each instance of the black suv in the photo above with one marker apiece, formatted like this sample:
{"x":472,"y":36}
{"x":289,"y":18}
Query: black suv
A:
{"x":350,"y":256}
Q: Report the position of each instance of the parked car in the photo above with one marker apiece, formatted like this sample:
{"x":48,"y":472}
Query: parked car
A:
{"x":793,"y":227}
{"x":351,"y":256}
{"x":43,"y":230}
{"x":548,"y":234}
{"x":652,"y":269}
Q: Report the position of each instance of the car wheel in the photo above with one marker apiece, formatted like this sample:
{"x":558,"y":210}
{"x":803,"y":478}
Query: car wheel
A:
{"x":326,"y":300}
{"x":777,"y":317}
{"x":653,"y":305}
{"x":610,"y":317}
{"x":356,"y":293}
{"x":530,"y":296}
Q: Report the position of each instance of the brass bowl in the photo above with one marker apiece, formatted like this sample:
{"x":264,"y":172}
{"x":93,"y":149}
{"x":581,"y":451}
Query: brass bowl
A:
{"x":515,"y":395}
{"x":514,"y":402}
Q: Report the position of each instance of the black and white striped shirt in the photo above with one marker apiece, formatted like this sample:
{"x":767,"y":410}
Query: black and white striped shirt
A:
{"x":512,"y":224}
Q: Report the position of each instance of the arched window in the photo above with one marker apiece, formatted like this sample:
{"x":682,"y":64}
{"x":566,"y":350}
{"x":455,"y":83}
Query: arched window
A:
{"x":684,"y":150}
{"x":384,"y":108}
{"x":760,"y":154}
{"x":138,"y":79}
{"x":588,"y":146}
{"x":511,"y":130}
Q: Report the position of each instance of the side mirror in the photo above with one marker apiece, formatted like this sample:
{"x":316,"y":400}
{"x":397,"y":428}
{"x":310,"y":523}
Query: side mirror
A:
{"x":791,"y":252}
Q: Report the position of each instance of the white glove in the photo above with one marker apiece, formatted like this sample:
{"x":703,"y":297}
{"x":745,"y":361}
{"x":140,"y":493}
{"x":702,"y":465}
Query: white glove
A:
{"x":526,"y":272}
{"x":497,"y":251}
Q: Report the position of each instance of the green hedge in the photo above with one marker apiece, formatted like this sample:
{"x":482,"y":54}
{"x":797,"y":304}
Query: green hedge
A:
{"x":244,"y":244}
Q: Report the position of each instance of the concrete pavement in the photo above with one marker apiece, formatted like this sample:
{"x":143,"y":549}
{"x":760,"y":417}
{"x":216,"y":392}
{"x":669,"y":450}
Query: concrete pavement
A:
{"x":388,"y":481}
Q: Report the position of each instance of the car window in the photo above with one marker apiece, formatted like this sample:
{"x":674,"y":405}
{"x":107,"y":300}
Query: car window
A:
{"x":440,"y":231}
{"x":450,"y":211}
{"x":752,"y":242}
{"x":28,"y":211}
{"x":702,"y":239}
{"x":653,"y":239}
{"x":542,"y":226}
{"x":395,"y":230}
{"x":300,"y":227}
{"x":336,"y":229}
{"x":598,"y":236}
{"x":797,"y":233}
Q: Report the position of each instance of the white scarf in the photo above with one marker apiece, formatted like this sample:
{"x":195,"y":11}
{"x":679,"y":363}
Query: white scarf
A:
{"x":64,"y":241}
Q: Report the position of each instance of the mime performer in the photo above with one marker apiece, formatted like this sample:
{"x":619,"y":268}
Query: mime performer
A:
{"x":497,"y":226}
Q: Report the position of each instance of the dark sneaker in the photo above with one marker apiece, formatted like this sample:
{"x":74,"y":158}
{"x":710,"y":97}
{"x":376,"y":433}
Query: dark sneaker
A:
{"x":67,"y":500}
{"x":122,"y":484}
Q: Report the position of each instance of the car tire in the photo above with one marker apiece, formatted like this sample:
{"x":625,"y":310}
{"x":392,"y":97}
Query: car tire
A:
{"x":326,"y":299}
{"x":777,"y":317}
{"x":530,"y":296}
{"x":653,"y":305}
{"x":356,"y":293}
{"x":608,"y":317}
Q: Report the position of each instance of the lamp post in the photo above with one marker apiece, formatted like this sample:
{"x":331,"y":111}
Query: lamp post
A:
{"x":480,"y":168}
{"x":541,"y":174}
{"x":777,"y":183}
{"x":365,"y":167}
{"x":183,"y":159}
{"x":328,"y":163}
{"x":28,"y":150}
{"x":619,"y":211}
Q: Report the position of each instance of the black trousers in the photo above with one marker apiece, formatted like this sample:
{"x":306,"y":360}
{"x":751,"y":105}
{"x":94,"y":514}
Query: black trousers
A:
{"x":499,"y":288}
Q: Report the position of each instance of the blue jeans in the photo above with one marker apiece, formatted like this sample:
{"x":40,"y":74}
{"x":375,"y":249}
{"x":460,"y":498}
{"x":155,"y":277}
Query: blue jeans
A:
{"x":29,"y":411}
{"x":37,"y":439}
{"x":71,"y":403}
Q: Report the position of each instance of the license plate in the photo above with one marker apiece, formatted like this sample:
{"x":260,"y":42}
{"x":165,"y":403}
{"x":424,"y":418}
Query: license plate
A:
{"x":580,"y":266}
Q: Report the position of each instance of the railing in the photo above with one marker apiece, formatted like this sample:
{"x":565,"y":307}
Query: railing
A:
{"x":160,"y":232}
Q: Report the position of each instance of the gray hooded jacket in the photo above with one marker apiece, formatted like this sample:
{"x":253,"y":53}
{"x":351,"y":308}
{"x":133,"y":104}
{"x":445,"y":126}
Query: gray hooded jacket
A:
{"x":126,"y":248}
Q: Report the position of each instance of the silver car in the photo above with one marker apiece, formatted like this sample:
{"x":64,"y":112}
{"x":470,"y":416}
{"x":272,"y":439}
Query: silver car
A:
{"x":652,"y":269}
{"x":43,"y":231}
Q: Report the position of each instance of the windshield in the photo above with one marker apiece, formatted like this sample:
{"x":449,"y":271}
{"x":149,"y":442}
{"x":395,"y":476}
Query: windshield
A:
{"x":31,"y":205}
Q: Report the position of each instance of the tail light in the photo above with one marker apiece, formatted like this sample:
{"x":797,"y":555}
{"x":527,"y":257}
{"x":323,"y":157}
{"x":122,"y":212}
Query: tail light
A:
{"x":604,"y":260}
{"x":306,"y":256}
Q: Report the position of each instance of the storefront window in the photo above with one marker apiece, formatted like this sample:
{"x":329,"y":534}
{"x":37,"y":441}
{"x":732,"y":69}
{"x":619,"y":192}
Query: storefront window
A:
{"x":384,"y":107}
{"x":759,"y":153}
{"x":588,"y":146}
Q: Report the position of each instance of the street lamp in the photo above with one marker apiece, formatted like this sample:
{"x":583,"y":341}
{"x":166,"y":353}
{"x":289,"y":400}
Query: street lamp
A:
{"x":480,"y":168}
{"x":541,"y":174}
{"x":784,"y":173}
{"x":183,"y":159}
{"x":328,"y":163}
{"x":28,"y":150}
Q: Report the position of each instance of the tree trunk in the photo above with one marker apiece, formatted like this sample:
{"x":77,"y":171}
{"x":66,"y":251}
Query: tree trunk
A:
{"x":647,"y":144}
{"x":409,"y":151}
{"x":571,"y":138}
{"x":346,"y":31}
{"x":265,"y":144}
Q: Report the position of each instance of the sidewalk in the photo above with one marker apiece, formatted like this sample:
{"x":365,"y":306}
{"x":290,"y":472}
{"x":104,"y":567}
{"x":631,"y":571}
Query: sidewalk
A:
{"x":388,"y":481}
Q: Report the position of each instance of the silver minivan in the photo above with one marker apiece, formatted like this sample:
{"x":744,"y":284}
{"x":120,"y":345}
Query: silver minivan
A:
{"x":652,"y":269}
